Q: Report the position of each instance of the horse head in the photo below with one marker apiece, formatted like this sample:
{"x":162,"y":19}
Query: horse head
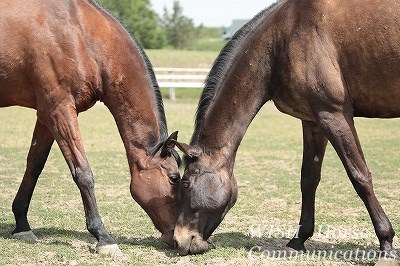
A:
{"x":208,"y":190}
{"x":155,"y":186}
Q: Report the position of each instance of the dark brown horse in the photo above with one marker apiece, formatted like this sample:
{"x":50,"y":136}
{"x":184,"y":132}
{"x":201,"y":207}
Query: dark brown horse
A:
{"x":323,"y":62}
{"x":60,"y":57}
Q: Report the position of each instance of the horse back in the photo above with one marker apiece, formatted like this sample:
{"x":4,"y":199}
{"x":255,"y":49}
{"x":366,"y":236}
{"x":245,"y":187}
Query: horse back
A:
{"x":350,"y":49}
{"x":48,"y":53}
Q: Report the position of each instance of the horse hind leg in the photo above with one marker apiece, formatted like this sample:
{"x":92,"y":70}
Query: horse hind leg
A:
{"x":42,"y":141}
{"x":341,"y":132}
{"x":314,"y":144}
{"x":63,"y":122}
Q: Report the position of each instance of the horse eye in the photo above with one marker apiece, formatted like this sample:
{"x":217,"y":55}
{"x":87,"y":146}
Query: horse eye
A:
{"x":185,"y":183}
{"x":174,"y":179}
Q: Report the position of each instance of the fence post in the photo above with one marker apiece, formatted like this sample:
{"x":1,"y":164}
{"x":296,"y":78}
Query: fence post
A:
{"x":171,"y":93}
{"x":173,"y":78}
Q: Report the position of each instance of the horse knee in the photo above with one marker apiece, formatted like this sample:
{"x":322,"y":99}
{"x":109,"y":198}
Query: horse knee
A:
{"x":35,"y":164}
{"x":310,"y":176}
{"x":83,"y":178}
{"x":310,"y":184}
{"x":362,"y":184}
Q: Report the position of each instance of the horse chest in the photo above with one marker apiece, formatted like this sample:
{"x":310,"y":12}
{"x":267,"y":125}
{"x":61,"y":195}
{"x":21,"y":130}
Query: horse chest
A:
{"x":293,"y":107}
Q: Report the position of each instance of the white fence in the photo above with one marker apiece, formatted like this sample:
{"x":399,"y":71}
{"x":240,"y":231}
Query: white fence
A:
{"x":171,"y":78}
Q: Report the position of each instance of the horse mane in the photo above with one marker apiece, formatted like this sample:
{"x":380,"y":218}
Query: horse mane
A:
{"x":220,"y":68}
{"x":150,"y":71}
{"x":157,"y":93}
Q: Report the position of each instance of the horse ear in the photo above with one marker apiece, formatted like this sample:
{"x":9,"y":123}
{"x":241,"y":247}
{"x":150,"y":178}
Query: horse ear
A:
{"x":190,"y":151}
{"x":169,"y":144}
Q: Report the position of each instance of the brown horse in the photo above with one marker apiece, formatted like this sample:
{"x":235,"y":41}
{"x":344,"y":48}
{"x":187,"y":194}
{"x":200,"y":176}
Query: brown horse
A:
{"x":60,"y":57}
{"x":323,"y":62}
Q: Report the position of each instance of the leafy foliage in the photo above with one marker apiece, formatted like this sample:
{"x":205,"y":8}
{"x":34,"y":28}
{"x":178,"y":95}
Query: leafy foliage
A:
{"x":139,"y":19}
{"x":179,"y":29}
{"x":173,"y":30}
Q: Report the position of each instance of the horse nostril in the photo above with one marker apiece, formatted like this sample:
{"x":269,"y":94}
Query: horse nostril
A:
{"x":175,"y":242}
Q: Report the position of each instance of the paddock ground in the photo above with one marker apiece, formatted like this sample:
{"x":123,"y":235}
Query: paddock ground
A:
{"x":253,"y":233}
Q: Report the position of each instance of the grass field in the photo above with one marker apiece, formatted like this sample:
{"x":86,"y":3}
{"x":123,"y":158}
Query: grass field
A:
{"x":264,"y":218}
{"x":181,"y":58}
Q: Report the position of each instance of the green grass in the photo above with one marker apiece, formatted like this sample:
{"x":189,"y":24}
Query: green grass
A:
{"x":267,"y":169}
{"x":207,"y":44}
{"x":183,"y":94}
{"x":208,"y":39}
{"x":181,"y":58}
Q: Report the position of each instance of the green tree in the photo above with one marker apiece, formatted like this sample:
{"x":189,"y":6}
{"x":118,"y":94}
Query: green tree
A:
{"x":139,"y":19}
{"x":179,"y":29}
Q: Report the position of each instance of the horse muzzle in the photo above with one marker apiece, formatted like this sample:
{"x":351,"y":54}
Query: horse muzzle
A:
{"x":189,"y":242}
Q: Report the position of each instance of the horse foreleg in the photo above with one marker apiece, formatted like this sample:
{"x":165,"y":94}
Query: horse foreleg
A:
{"x":342,"y":134}
{"x":314,"y":144}
{"x":42,"y":141}
{"x":63,"y":122}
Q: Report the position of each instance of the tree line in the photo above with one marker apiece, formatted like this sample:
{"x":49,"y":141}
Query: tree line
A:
{"x":152,"y":31}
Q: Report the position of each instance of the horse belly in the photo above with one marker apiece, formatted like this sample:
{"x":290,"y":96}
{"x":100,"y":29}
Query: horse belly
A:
{"x":372,"y":79}
{"x":14,"y":85}
{"x":377,"y":102}
{"x":14,"y":94}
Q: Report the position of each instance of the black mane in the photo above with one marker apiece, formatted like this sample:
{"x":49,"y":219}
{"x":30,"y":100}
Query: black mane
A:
{"x":157,"y":93}
{"x":220,"y":68}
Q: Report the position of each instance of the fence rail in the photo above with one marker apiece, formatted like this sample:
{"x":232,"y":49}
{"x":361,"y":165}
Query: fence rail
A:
{"x":173,"y":77}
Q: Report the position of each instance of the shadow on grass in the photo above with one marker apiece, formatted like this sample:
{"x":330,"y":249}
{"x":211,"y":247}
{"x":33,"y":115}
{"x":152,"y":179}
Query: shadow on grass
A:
{"x":261,"y":248}
{"x":43,"y":233}
{"x":272,"y":248}
{"x":56,"y":236}
{"x":6,"y":230}
{"x":151,"y":242}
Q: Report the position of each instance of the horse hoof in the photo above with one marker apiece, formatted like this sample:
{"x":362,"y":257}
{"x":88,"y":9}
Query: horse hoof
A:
{"x":27,"y":236}
{"x":291,"y":252}
{"x":295,"y":245}
{"x":109,"y":250}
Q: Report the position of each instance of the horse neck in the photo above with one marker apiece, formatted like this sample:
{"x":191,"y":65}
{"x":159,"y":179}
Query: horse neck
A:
{"x":137,"y":110}
{"x":243,"y":86}
{"x":137,"y":118}
{"x":128,"y":89}
{"x":237,"y":100}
